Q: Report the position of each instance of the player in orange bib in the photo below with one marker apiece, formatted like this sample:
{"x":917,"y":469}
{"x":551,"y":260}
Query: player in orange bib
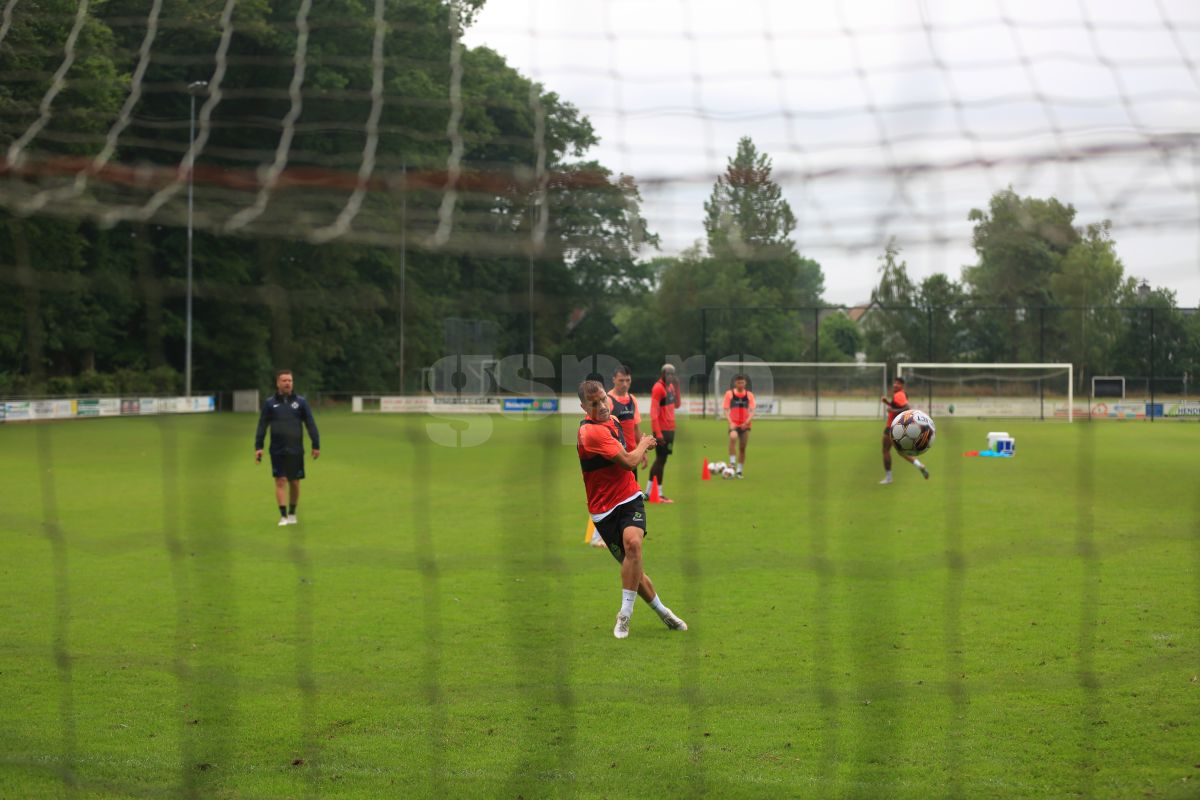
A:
{"x":664,"y":399}
{"x":615,"y":501}
{"x":739,"y":410}
{"x":623,"y":407}
{"x":897,"y":403}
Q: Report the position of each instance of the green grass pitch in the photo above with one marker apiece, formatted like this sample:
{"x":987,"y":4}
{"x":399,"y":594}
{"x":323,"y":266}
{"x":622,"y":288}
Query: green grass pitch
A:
{"x":435,"y":626}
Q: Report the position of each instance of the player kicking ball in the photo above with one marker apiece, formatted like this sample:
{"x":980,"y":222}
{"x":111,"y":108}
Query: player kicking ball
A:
{"x":897,"y":403}
{"x":615,"y":502}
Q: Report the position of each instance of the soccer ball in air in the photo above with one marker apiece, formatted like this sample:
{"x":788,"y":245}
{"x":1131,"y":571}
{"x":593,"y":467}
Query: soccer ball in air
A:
{"x":913,"y":432}
{"x":727,"y":473}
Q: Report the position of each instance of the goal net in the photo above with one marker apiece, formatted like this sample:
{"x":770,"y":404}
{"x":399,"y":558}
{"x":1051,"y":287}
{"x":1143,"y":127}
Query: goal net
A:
{"x":801,"y":390}
{"x":417,"y":204}
{"x":1029,"y":391}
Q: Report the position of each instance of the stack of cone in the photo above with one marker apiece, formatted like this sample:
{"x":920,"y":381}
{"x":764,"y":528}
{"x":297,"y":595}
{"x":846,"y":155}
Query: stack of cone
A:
{"x":704,"y":476}
{"x":655,"y":497}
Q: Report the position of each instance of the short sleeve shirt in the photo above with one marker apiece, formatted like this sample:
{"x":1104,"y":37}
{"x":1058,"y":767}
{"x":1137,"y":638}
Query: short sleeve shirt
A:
{"x":898,"y":399}
{"x":607,"y":484}
{"x":668,"y":400}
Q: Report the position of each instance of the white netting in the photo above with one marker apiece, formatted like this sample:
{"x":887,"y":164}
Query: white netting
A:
{"x":805,"y":390}
{"x":879,"y":123}
{"x":1034,"y":391}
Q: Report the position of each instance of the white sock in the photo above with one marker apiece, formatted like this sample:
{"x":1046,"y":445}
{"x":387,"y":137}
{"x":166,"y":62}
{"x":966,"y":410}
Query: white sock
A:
{"x":917,"y":463}
{"x":889,"y":473}
{"x":739,"y":469}
{"x":657,"y":605}
{"x":627,"y":598}
{"x":733,"y":459}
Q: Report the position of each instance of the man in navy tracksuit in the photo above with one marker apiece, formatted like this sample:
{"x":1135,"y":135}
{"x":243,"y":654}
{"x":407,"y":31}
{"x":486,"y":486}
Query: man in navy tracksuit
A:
{"x":288,"y":414}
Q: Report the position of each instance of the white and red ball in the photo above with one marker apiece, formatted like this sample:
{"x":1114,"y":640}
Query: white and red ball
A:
{"x":913,"y":432}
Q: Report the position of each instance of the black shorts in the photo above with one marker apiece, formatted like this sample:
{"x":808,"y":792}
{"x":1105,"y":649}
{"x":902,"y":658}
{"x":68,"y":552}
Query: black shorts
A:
{"x":612,"y":528}
{"x":667,"y":443}
{"x":287,"y":466}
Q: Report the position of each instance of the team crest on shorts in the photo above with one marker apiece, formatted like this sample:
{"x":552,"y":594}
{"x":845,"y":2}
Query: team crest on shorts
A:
{"x":637,"y":515}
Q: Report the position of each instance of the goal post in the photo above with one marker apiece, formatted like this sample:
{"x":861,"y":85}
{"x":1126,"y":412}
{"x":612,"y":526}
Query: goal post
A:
{"x":805,"y":389}
{"x":1031,"y":391}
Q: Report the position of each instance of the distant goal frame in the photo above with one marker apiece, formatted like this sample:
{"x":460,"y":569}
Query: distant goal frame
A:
{"x":833,"y":366}
{"x":1070,"y":368}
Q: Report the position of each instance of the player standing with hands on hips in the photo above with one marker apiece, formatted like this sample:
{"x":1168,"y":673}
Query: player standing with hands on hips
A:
{"x":664,"y":399}
{"x":287,"y":414}
{"x":615,"y":503}
{"x":739,"y":410}
{"x":897,"y":403}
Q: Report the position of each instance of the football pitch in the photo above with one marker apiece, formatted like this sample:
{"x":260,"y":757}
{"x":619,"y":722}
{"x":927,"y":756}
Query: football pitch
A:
{"x":435,"y":626}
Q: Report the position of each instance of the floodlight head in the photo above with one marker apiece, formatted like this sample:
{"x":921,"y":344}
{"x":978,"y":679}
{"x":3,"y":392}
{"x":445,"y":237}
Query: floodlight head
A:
{"x":197,"y":87}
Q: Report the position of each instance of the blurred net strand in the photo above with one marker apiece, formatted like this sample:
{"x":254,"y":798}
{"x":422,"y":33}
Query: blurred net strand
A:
{"x":57,"y":83}
{"x":826,"y":33}
{"x":269,"y":182}
{"x":900,"y":193}
{"x":282,"y":150}
{"x":541,"y":203}
{"x":1027,"y":67}
{"x":541,"y":175}
{"x":196,"y":146}
{"x":697,"y":80}
{"x":956,"y":101}
{"x":1127,"y":103}
{"x":125,"y":116}
{"x":789,"y":115}
{"x":6,"y":18}
{"x":1172,"y":30}
{"x":454,"y":161}
{"x":366,"y":167}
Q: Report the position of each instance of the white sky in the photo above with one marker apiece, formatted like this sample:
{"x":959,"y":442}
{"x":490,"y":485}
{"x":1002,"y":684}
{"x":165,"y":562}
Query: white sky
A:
{"x":866,"y":107}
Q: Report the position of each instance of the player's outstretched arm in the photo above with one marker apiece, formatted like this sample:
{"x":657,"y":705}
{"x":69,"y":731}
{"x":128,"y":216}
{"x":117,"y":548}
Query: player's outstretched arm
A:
{"x":630,"y":459}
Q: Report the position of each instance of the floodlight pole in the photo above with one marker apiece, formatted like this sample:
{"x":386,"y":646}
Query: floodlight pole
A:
{"x":532,"y":238}
{"x":193,"y":89}
{"x":403,"y":262}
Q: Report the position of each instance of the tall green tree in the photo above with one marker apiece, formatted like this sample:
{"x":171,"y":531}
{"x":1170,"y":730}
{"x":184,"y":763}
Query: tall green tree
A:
{"x":894,"y":329}
{"x":1086,"y":288}
{"x":747,"y":220}
{"x":841,"y":338}
{"x":1020,"y":242}
{"x":941,"y":299}
{"x":1155,"y":337}
{"x":332,"y":311}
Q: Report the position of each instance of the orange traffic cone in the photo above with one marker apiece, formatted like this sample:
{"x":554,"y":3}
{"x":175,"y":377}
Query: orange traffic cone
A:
{"x":704,"y":476}
{"x":655,"y":497}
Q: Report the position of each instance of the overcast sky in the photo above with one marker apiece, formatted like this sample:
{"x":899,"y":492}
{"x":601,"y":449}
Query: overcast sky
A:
{"x":888,"y":119}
